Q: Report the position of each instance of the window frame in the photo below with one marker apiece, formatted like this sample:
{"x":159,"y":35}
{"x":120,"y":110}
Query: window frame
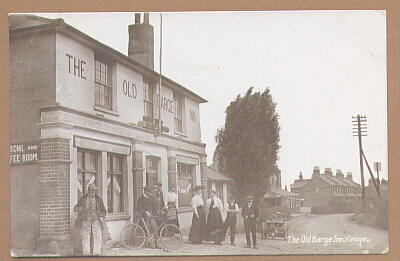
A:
{"x":100,"y":98}
{"x":148,"y":99}
{"x":189,"y":175}
{"x":120,"y":173}
{"x":178,"y":114}
{"x":83,"y":171}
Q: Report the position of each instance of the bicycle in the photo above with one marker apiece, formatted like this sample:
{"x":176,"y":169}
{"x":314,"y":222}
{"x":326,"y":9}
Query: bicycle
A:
{"x":135,"y":235}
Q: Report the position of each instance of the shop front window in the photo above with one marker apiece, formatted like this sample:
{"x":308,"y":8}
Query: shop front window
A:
{"x":185,"y":174}
{"x":151,"y":170}
{"x":87,"y":170}
{"x":115,"y":184}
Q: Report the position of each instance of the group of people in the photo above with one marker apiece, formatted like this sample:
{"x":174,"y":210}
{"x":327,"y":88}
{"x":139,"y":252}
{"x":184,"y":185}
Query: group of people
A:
{"x":213,"y":228}
{"x":90,"y":212}
{"x":90,"y":215}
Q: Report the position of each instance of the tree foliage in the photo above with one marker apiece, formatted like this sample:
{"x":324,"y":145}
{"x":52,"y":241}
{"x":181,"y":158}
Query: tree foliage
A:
{"x":248,"y":145}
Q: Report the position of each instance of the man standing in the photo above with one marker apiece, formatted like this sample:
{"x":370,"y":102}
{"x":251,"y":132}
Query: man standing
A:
{"x":159,"y":196}
{"x":250,"y":214}
{"x":91,"y":212}
{"x":230,"y":222}
{"x":147,"y":208}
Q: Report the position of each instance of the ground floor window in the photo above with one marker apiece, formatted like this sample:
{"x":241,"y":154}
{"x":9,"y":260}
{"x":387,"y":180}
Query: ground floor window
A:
{"x":185,"y":173}
{"x":115,"y":183}
{"x":87,"y":169}
{"x":152,"y":170}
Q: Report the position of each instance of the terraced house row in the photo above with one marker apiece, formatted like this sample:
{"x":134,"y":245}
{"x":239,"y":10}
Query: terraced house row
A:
{"x":320,"y":189}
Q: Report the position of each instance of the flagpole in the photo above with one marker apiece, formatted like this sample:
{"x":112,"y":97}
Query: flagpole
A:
{"x":159,"y":87}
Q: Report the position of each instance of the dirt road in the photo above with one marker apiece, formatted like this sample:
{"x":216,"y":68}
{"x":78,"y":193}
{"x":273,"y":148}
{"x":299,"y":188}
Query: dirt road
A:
{"x":312,"y":234}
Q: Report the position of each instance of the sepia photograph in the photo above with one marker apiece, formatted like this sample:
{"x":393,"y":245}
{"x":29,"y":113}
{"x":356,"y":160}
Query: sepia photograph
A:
{"x":198,"y":133}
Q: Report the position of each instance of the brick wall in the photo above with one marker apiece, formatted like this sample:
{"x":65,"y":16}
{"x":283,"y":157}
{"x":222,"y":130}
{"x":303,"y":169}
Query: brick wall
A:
{"x":54,"y":184}
{"x":137,"y":158}
{"x":32,"y":81}
{"x":204,"y":179}
{"x":321,"y":198}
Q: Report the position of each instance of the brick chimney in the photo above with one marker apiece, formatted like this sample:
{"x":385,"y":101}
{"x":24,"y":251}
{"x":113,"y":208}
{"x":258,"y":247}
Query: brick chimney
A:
{"x":328,"y":171}
{"x":349,"y":176}
{"x":339,"y":173}
{"x":316,"y":171}
{"x":301,"y":176}
{"x":141,"y":41}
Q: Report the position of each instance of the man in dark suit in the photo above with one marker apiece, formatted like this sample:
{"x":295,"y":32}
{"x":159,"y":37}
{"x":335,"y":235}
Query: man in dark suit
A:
{"x":159,"y":196}
{"x":147,"y":208}
{"x":250,"y":214}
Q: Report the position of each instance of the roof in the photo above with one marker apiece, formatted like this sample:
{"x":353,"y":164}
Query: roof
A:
{"x":337,"y":180}
{"x":23,"y":22}
{"x":214,"y":165}
{"x":349,"y":182}
{"x":299,"y":183}
{"x":213,"y":174}
{"x":17,"y":21}
{"x":327,"y":180}
{"x":282,"y":192}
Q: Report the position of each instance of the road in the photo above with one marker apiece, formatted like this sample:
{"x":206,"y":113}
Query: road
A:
{"x":310,"y":234}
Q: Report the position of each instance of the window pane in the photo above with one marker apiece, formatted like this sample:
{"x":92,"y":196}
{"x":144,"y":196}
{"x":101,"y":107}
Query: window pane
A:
{"x":103,"y":92}
{"x":185,"y":184}
{"x":117,"y":193}
{"x":115,"y":184}
{"x":79,"y":160}
{"x":89,"y":161}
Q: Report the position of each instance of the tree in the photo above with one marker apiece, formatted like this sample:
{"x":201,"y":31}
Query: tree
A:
{"x":248,"y":145}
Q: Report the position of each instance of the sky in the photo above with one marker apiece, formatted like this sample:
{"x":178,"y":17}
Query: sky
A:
{"x":322,"y":68}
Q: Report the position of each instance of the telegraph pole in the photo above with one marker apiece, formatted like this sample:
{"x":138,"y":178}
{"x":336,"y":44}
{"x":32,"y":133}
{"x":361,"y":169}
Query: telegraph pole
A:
{"x":360,"y":129}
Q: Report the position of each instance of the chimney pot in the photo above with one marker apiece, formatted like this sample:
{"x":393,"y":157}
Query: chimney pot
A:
{"x":316,"y":171}
{"x":146,"y":18}
{"x":141,"y":41}
{"x":137,"y":18}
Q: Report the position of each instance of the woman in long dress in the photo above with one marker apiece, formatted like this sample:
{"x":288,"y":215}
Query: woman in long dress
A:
{"x":215,"y":224}
{"x":198,"y":229}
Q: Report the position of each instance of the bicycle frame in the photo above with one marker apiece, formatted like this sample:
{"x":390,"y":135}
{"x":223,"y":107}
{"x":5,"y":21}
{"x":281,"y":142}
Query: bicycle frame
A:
{"x":147,"y":230}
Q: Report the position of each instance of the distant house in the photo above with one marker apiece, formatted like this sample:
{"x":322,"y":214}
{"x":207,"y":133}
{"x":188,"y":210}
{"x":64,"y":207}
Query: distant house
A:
{"x":298,"y":184}
{"x":322,"y":188}
{"x":219,"y":182}
{"x":276,"y":197}
{"x":370,"y":191}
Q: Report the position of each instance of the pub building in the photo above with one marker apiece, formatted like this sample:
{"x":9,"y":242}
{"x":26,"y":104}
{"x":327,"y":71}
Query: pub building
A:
{"x":83,"y":112}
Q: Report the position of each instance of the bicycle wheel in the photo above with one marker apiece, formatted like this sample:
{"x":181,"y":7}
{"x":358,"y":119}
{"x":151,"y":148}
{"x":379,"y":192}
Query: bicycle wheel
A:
{"x":171,"y":237}
{"x":133,"y":236}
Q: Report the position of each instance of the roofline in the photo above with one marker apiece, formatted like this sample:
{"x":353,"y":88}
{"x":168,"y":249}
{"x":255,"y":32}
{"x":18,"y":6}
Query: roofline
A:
{"x":60,"y":23}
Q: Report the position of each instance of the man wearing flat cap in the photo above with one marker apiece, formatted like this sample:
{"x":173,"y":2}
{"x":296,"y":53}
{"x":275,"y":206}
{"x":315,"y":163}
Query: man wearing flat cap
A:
{"x":91,"y":212}
{"x":250,"y":214}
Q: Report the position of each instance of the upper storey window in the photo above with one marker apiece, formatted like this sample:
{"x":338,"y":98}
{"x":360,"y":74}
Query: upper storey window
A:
{"x":102,"y":84}
{"x":148,"y":100}
{"x":178,"y":113}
